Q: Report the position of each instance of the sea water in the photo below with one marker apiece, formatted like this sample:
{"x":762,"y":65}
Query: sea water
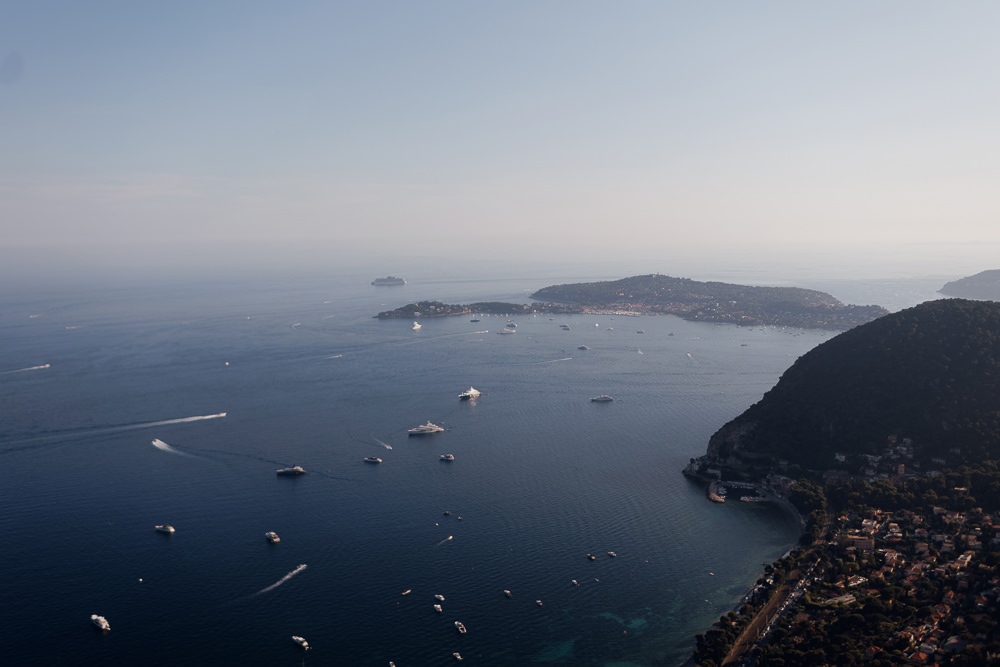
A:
{"x":126,"y":408}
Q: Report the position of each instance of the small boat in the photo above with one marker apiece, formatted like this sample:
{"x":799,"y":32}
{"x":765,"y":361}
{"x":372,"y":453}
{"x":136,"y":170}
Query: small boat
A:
{"x":474,"y":319}
{"x":612,"y":554}
{"x":583,"y":347}
{"x":457,"y":655}
{"x":591,"y":557}
{"x":272,"y":537}
{"x":165,"y":528}
{"x":439,"y":597}
{"x":603,"y":398}
{"x":511,"y":325}
{"x":460,"y":627}
{"x":372,"y":459}
{"x":538,"y":602}
{"x":575,"y":582}
{"x":506,"y":592}
{"x":407,"y":591}
{"x":640,"y":331}
{"x":416,"y":325}
{"x":564,"y":327}
{"x":100,"y":622}
{"x":437,"y":608}
{"x":447,"y":457}
{"x":389,"y":280}
{"x":425,"y":429}
{"x":301,"y":642}
{"x":471,"y":392}
{"x":291,"y":472}
{"x":507,"y":331}
{"x":447,"y":513}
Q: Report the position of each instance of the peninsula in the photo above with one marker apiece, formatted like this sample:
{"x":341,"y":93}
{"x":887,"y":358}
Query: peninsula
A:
{"x":656,"y":294}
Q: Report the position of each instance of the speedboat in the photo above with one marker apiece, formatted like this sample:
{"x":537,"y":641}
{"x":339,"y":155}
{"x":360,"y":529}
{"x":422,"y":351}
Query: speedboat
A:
{"x":471,"y":392}
{"x":165,"y":528}
{"x":439,"y":597}
{"x":424,"y":429}
{"x":612,"y":554}
{"x":575,"y":582}
{"x":460,"y":627}
{"x":457,"y":655}
{"x":506,"y":592}
{"x":301,"y":642}
{"x":407,"y":591}
{"x":416,"y":325}
{"x":447,"y":457}
{"x":294,"y":470}
{"x":538,"y":602}
{"x":100,"y":622}
{"x":604,"y":398}
{"x":437,"y":608}
{"x":591,"y":557}
{"x":372,"y":459}
{"x":272,"y":537}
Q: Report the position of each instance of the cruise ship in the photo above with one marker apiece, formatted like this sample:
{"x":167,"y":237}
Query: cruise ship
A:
{"x":424,"y":429}
{"x":388,"y":280}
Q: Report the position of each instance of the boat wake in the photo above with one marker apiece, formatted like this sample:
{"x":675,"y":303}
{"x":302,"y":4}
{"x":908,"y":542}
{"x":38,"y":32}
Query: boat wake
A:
{"x":183,"y":420}
{"x":24,"y":370}
{"x":553,"y":361}
{"x":282,"y":580}
{"x":164,"y":447}
{"x":384,"y":444}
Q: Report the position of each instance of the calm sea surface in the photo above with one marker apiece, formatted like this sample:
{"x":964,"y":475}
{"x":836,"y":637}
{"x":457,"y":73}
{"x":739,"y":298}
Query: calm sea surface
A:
{"x":305,"y":376}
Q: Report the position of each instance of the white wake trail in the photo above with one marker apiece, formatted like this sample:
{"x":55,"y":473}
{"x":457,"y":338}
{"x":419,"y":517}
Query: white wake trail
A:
{"x":282,"y":580}
{"x":24,"y":370}
{"x":162,"y":446}
{"x":183,"y":420}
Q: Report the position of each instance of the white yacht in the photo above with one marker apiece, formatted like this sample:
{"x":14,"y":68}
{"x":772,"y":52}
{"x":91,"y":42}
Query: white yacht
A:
{"x":372,"y":459}
{"x":612,"y":554}
{"x":471,"y":392}
{"x":424,"y":429}
{"x":447,"y":457}
{"x":165,"y":528}
{"x":100,"y":622}
{"x":457,"y":655}
{"x":439,"y":597}
{"x":272,"y":537}
{"x":294,"y":470}
{"x":301,"y":642}
{"x":460,"y":627}
{"x":437,"y":608}
{"x":416,"y":325}
{"x":507,"y":331}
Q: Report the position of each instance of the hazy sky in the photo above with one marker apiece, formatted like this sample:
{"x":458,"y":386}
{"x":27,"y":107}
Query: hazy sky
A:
{"x":549,"y":128}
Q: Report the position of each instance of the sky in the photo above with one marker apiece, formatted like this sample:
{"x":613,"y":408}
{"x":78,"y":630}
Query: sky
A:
{"x":526,"y":130}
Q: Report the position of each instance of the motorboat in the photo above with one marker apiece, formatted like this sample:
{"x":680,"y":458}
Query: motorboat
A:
{"x":612,"y":554}
{"x":425,"y":429}
{"x":291,"y":472}
{"x":583,"y":347}
{"x":471,"y":392}
{"x":506,"y":592}
{"x":507,"y":331}
{"x":372,"y":459}
{"x":407,"y":591}
{"x":447,"y":457}
{"x":604,"y":398}
{"x":511,"y":325}
{"x":538,"y":602}
{"x":416,"y":325}
{"x":272,"y":537}
{"x":474,"y":319}
{"x":460,"y":627}
{"x":301,"y":642}
{"x":439,"y":597}
{"x":575,"y":582}
{"x":100,"y":622}
{"x":165,"y":528}
{"x":437,"y":608}
{"x":591,"y":557}
{"x":457,"y":655}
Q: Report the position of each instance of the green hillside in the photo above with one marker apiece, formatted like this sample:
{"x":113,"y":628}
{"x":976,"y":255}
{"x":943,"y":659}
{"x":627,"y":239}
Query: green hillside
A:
{"x":930,"y":373}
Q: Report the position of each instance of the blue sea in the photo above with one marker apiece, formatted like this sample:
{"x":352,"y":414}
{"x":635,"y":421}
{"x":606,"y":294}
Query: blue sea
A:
{"x":235,"y":379}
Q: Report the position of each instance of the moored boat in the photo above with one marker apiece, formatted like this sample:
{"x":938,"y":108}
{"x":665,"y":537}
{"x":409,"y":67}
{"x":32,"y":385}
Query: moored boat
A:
{"x":301,"y":642}
{"x":471,"y":392}
{"x":603,"y":398}
{"x":272,"y":537}
{"x":372,"y":459}
{"x":100,"y":622}
{"x":416,"y":325}
{"x":447,"y":457}
{"x":294,"y":470}
{"x":437,"y":608}
{"x":165,"y":528}
{"x":460,"y":627}
{"x":425,"y":429}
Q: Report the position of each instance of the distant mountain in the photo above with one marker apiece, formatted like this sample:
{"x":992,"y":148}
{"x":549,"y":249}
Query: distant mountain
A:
{"x":714,"y":302}
{"x":930,"y":373}
{"x":984,"y":285}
